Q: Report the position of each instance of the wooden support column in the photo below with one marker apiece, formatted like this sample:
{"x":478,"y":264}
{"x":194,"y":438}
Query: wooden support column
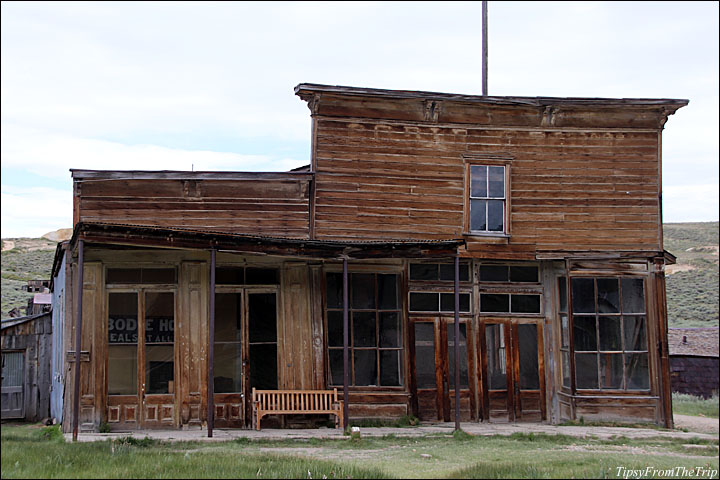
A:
{"x":346,"y":338}
{"x":78,"y":341}
{"x":457,"y":342}
{"x":211,"y":350}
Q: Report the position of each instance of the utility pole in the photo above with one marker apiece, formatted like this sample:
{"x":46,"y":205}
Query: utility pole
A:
{"x":484,"y":49}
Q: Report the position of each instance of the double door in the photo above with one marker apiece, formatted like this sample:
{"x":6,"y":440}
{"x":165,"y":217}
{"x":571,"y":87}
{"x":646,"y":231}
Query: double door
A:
{"x":512,"y":362}
{"x":434,"y":370}
{"x":141,"y":372}
{"x":245,"y":350}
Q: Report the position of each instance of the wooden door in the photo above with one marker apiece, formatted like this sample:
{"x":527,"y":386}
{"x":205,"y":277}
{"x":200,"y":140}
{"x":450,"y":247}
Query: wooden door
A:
{"x":229,"y":361}
{"x":434,"y":370}
{"x":12,"y":399}
{"x":245,"y":351}
{"x":513,"y":386}
{"x":141,"y":367}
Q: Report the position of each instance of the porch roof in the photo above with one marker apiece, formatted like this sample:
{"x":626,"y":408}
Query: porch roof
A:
{"x":192,"y":239}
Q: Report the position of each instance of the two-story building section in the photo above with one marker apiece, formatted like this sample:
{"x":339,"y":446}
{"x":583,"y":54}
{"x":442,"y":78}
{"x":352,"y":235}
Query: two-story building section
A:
{"x":535,"y":222}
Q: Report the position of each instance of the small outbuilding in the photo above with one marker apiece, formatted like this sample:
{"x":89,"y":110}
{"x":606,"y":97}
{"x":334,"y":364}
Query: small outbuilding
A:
{"x":26,"y":353}
{"x":694,"y":360}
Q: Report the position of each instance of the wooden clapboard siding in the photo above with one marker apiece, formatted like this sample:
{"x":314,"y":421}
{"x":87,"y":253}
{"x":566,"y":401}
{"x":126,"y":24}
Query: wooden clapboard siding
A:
{"x":570,"y":190}
{"x":275,"y":206}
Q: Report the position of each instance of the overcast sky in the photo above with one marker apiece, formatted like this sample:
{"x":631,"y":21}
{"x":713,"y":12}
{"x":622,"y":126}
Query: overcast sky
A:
{"x":209,"y":86}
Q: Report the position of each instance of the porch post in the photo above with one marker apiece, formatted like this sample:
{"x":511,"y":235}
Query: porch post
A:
{"x":211,"y":351}
{"x":78,"y":340}
{"x":457,"y":342}
{"x":346,"y":356}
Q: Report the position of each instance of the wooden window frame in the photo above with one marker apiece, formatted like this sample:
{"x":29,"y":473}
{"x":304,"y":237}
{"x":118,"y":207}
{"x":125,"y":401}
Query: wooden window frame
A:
{"x":598,"y":351}
{"x":488,"y":160}
{"x":377,"y":348}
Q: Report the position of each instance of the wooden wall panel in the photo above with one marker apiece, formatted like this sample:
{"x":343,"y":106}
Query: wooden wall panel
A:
{"x":571,"y":190}
{"x":296,"y":363}
{"x":256,"y":207}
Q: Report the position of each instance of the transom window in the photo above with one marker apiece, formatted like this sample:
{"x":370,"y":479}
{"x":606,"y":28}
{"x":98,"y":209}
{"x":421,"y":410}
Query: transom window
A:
{"x":375,"y":329}
{"x":487,"y":198}
{"x":609,"y":333}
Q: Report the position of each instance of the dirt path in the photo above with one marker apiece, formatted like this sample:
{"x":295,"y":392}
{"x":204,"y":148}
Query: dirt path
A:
{"x":697,"y":424}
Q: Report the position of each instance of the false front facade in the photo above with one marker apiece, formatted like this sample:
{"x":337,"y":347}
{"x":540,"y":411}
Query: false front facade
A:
{"x":527,"y":229}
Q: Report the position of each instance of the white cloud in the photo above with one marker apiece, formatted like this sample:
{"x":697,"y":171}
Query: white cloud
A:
{"x":691,"y":203}
{"x":52,"y":155}
{"x":35,"y":211}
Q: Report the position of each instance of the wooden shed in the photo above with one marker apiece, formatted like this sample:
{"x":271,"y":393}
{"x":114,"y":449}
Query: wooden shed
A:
{"x":529,"y":229}
{"x":26,"y":352}
{"x":695,"y":360}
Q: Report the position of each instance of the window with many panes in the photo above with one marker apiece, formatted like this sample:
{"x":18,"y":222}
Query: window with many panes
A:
{"x":375,"y":329}
{"x":609,"y":330}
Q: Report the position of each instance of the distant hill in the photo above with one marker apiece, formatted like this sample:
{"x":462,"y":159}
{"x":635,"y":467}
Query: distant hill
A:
{"x":692,"y":284}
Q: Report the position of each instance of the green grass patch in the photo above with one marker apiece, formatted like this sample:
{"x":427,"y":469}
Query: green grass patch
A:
{"x":684,"y":404}
{"x":36,"y":452}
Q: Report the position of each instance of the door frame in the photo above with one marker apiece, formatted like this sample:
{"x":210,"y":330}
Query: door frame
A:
{"x":141,"y":398}
{"x":246,"y":392}
{"x":443,"y":375}
{"x":512,"y":361}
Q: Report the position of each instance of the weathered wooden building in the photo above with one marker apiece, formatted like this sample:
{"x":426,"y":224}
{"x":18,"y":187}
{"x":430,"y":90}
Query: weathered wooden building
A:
{"x":26,"y":344}
{"x":551,"y":206}
{"x":694,"y":360}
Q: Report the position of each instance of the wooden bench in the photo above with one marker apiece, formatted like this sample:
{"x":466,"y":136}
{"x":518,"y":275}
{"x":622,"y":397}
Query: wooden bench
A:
{"x":287,"y":402}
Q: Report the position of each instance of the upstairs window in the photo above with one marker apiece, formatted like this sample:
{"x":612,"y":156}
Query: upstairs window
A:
{"x":487,"y":190}
{"x":487,"y":198}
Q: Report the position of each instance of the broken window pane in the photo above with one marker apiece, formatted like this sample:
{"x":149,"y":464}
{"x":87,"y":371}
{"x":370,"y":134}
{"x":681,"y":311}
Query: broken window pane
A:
{"x":447,"y":272}
{"x":261,"y":276}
